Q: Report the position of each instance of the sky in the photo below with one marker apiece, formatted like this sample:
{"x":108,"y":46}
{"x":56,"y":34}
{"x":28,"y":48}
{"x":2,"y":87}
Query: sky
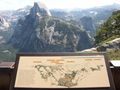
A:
{"x":59,"y":4}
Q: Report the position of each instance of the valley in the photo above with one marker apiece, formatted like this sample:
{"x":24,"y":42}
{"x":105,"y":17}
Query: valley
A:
{"x":37,"y":29}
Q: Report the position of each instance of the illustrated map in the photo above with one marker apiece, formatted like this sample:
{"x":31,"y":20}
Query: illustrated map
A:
{"x":62,"y":72}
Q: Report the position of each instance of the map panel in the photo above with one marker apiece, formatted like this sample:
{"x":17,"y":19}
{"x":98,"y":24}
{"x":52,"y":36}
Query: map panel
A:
{"x":62,"y":72}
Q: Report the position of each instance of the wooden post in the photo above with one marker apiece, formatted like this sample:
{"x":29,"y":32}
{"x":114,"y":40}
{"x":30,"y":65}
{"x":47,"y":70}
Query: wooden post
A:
{"x":6,"y":69}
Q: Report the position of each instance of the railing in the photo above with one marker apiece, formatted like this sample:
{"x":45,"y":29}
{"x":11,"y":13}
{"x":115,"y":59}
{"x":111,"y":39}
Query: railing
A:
{"x":7,"y":68}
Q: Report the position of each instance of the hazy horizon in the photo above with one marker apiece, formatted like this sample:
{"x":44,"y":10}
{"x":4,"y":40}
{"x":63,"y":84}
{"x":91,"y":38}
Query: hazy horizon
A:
{"x":56,"y":4}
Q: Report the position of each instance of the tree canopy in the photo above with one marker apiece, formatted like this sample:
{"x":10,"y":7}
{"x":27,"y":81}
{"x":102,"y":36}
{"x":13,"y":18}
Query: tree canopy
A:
{"x":110,"y":29}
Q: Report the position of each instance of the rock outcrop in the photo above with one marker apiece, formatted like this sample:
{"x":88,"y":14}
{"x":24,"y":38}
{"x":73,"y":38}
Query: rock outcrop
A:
{"x":111,"y":45}
{"x":3,"y":24}
{"x":94,"y":49}
{"x":40,"y":9}
{"x":40,"y":32}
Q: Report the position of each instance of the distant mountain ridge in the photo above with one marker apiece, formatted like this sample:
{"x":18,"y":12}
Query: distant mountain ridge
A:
{"x":61,"y":31}
{"x":39,"y":32}
{"x":98,"y":14}
{"x":63,"y":13}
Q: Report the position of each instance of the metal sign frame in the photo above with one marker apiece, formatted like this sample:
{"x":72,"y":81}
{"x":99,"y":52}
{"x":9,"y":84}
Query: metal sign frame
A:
{"x":112,"y":87}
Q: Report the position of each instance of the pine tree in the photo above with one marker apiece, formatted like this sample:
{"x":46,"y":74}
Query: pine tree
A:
{"x":110,"y":29}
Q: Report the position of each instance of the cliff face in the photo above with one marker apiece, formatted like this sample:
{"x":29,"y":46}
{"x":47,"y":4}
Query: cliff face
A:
{"x":88,"y":25}
{"x":3,"y":24}
{"x":40,"y":32}
{"x":39,"y":9}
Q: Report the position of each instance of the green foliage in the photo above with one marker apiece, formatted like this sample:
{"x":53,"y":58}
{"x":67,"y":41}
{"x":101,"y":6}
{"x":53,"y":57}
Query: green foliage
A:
{"x":43,"y":22}
{"x":114,"y":55}
{"x":109,"y":39}
{"x":66,"y":27}
{"x":61,"y":26}
{"x":7,"y":53}
{"x":7,"y":34}
{"x":110,"y":29}
{"x":41,"y":25}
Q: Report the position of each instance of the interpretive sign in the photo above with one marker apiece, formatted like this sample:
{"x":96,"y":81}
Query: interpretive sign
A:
{"x":62,"y":71}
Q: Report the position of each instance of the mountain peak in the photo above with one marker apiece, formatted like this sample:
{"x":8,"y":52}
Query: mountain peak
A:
{"x":40,"y":8}
{"x":40,"y":5}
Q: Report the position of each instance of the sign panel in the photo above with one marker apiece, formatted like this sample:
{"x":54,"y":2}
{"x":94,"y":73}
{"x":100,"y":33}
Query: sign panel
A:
{"x":62,"y":71}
